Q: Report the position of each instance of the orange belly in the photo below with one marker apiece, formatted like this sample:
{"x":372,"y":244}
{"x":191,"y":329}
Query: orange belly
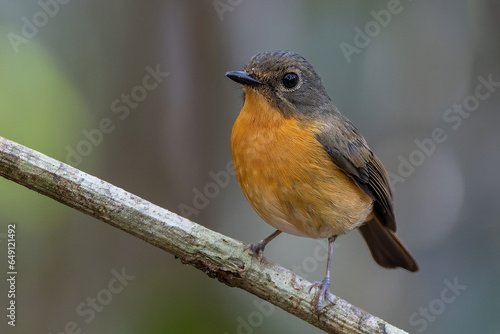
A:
{"x":288,"y":177}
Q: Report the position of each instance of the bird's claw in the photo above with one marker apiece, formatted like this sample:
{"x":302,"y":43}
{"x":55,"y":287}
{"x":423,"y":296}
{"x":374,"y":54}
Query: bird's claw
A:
{"x":256,"y":250}
{"x":322,"y":294}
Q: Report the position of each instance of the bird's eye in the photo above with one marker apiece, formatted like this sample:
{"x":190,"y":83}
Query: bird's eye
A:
{"x":290,"y":80}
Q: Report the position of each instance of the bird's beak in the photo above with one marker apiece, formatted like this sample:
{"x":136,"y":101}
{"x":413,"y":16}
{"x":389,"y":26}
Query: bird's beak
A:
{"x":243,"y":78}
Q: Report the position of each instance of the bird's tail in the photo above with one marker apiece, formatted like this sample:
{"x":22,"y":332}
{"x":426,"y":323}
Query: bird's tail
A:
{"x":387,"y":250}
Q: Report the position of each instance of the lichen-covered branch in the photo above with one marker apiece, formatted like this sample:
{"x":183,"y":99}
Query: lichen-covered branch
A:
{"x":215,"y":254}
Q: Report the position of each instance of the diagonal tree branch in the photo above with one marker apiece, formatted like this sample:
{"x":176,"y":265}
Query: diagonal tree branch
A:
{"x":213,"y":253}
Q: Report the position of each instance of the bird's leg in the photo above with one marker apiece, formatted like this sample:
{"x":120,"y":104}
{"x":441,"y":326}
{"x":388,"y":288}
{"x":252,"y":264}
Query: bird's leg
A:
{"x":324,"y":286}
{"x":257,"y":250}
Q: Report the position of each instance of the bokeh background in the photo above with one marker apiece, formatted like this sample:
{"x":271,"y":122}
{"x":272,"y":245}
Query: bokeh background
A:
{"x":65,"y":66}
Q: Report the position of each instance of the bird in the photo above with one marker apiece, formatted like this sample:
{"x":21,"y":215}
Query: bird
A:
{"x":305,"y":168}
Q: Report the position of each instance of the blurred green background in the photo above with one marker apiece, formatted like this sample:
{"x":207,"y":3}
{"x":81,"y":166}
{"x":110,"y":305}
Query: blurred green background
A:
{"x":65,"y":66}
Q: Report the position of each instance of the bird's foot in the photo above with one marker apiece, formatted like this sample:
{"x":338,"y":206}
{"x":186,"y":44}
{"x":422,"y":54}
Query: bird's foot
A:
{"x":322,"y":294}
{"x":256,"y":250}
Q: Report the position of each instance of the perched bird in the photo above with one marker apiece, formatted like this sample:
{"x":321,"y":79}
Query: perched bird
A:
{"x":305,"y":168}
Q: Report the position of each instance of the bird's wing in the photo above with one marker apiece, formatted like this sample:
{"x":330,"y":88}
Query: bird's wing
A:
{"x":349,"y":151}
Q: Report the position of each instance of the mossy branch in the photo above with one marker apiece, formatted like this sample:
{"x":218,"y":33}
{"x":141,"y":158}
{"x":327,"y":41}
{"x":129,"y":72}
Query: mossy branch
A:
{"x":215,"y":254}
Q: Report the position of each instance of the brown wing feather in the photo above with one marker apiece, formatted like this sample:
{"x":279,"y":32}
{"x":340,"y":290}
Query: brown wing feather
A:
{"x":351,"y":153}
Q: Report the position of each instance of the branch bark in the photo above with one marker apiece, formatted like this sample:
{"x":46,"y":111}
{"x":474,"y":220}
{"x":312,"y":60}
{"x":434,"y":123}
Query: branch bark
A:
{"x":215,"y":254}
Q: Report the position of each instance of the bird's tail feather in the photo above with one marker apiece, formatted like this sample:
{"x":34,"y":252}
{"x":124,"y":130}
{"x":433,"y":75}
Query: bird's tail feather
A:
{"x":387,"y":250}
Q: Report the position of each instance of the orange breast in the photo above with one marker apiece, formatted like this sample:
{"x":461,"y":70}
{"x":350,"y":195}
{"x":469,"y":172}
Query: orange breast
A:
{"x":288,"y":177}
